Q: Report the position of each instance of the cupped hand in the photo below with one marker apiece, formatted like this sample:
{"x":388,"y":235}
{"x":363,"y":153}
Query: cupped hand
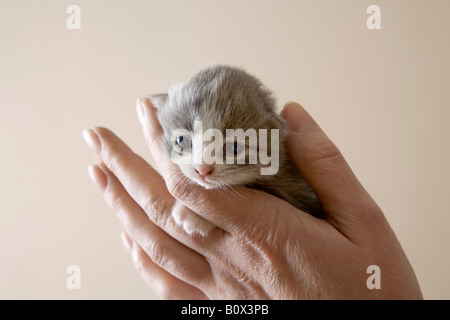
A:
{"x":262,"y":247}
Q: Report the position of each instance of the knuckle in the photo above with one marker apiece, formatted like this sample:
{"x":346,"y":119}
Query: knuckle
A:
{"x":117,"y":160}
{"x":155,"y":210}
{"x":324,"y":151}
{"x":156,"y":252}
{"x":319,"y":146}
{"x":370,"y":213}
{"x":178,"y":187}
{"x":117,"y":202}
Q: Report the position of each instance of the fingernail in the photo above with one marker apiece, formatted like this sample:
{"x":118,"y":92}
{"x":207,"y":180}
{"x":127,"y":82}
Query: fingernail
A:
{"x":126,"y":241}
{"x":140,"y":109}
{"x":98,"y":177}
{"x":292,"y":113}
{"x":92,"y":140}
{"x":287,"y":104}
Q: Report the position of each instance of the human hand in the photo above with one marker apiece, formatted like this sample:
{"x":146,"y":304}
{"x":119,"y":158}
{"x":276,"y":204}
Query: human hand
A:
{"x":262,"y":247}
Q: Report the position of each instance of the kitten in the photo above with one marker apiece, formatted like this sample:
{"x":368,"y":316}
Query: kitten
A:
{"x":222,"y":98}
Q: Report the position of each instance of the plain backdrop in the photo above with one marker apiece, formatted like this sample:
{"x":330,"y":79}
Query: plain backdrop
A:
{"x":381,"y":95}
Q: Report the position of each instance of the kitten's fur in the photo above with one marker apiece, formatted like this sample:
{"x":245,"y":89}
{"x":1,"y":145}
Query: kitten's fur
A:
{"x":225,"y":97}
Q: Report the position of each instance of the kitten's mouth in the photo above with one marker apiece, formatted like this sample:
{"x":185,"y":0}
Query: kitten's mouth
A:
{"x":206,"y":183}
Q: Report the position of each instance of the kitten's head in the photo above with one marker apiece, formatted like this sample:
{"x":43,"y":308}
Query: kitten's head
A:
{"x":216,"y":99}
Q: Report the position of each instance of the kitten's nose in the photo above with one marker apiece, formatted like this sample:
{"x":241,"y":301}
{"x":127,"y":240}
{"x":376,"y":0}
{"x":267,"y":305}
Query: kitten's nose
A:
{"x":204,"y":170}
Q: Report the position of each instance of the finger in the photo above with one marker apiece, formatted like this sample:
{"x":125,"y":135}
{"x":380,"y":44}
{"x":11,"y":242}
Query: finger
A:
{"x":166,"y":252}
{"x":321,"y":163}
{"x":142,"y":182}
{"x":220,"y":207}
{"x":165,"y":285}
{"x":147,"y":188}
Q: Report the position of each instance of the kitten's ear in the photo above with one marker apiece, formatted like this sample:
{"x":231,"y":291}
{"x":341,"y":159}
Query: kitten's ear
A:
{"x":158,"y":100}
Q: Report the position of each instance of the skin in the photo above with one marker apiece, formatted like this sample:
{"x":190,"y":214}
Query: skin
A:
{"x":262,"y":247}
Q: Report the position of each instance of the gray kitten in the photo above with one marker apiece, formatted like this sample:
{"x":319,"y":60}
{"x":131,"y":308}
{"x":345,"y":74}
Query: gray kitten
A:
{"x":222,"y":98}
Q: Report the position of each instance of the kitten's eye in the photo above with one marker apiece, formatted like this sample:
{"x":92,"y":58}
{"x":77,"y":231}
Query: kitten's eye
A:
{"x":184,"y":142}
{"x":235,"y":148}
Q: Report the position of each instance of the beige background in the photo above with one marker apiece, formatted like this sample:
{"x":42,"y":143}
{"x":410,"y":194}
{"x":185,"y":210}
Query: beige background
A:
{"x":382,"y":96}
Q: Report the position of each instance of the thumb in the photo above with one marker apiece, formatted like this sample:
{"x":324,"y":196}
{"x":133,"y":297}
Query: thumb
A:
{"x":322,"y":165}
